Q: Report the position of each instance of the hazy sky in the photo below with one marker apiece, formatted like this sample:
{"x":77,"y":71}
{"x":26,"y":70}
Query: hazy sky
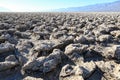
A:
{"x":43,"y":5}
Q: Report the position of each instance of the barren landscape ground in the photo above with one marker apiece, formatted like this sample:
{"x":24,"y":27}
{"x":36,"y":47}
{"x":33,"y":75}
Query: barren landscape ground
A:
{"x":60,"y":46}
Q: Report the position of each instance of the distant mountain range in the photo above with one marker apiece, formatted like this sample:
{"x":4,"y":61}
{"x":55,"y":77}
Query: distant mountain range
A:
{"x":105,"y":7}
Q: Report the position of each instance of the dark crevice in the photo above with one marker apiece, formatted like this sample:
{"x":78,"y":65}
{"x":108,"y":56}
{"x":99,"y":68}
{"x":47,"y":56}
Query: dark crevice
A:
{"x":12,"y":68}
{"x":96,"y":75}
{"x":5,"y":54}
{"x":94,"y":56}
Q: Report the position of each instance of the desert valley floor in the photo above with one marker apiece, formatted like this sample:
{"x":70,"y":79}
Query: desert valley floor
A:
{"x":60,"y":46}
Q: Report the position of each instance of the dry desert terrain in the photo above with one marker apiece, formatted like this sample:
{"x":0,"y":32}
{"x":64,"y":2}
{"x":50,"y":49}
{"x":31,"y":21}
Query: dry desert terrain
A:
{"x":60,"y":46}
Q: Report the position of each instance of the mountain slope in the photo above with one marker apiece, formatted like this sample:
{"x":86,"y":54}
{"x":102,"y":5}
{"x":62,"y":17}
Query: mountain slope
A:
{"x":106,"y":7}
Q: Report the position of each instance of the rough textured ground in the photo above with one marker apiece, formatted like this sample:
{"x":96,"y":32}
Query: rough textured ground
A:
{"x":59,"y":46}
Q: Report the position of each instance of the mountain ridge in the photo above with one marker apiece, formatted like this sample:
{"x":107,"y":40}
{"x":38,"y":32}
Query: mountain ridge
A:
{"x":103,"y":7}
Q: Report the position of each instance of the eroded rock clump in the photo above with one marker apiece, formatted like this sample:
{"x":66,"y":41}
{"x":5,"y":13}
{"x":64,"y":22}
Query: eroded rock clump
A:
{"x":59,"y":46}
